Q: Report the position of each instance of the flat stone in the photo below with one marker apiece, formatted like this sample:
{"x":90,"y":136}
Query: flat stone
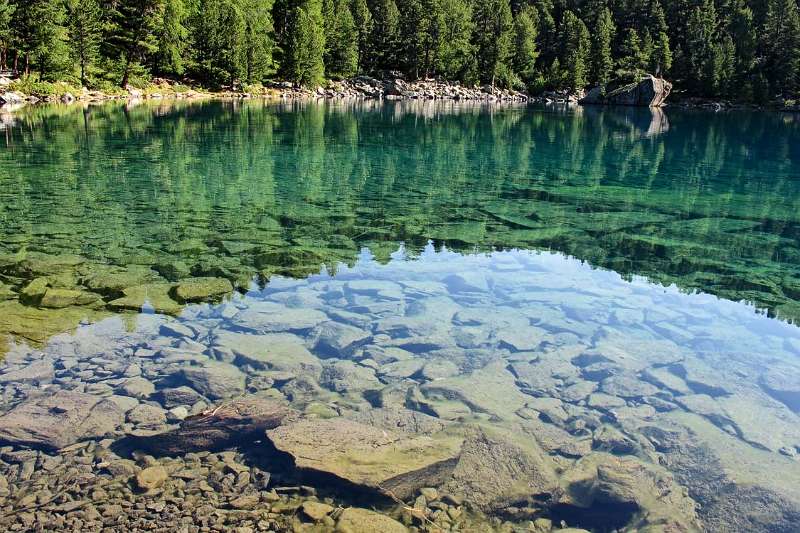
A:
{"x":276,"y":351}
{"x":372,"y":457}
{"x":176,"y":329}
{"x":147,"y":416}
{"x":201,"y":289}
{"x":151,"y":478}
{"x":627,"y":386}
{"x":402,"y":369}
{"x":269,"y":317}
{"x":316,"y":510}
{"x":336,"y":338}
{"x":355,"y":520}
{"x":491,"y":389}
{"x":173,"y":397}
{"x":783,"y":384}
{"x":38,"y":372}
{"x":346,"y":376}
{"x":215,"y":380}
{"x":137,"y":387}
{"x":60,"y":298}
{"x":156,"y":295}
{"x":61,"y":419}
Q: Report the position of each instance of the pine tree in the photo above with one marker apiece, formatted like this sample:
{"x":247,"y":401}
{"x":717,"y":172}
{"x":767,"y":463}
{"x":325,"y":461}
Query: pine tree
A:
{"x":455,"y":59}
{"x":132,"y":35}
{"x":384,"y":38}
{"x":630,"y":59}
{"x":85,"y":34}
{"x":492,"y":38}
{"x":341,"y":41}
{"x":218,"y":29}
{"x":701,"y":47}
{"x":660,"y":60}
{"x":576,"y":45}
{"x":362,"y":18}
{"x":6,"y":14}
{"x":257,"y":39}
{"x":525,"y":53}
{"x":307,"y":35}
{"x":40,"y":37}
{"x":171,"y":37}
{"x":782,"y":36}
{"x":602,"y":62}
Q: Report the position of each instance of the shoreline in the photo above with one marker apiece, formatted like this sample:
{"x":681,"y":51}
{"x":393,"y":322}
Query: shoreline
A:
{"x":359,"y":88}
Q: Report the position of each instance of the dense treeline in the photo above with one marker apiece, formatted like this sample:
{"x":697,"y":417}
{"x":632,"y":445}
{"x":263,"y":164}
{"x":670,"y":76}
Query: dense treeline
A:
{"x":742,"y":49}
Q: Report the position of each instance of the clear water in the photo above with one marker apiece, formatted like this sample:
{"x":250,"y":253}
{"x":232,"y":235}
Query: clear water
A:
{"x":547,"y":273}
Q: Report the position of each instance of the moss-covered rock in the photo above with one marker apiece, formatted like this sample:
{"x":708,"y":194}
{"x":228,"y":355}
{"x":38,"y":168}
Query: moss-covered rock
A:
{"x":201,"y":289}
{"x":157,"y":295}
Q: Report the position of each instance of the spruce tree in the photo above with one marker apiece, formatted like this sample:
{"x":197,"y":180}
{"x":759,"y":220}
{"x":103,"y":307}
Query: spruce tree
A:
{"x":576,"y":45}
{"x":6,"y":14}
{"x":85,"y":34}
{"x":384,"y":38}
{"x":257,"y":39}
{"x":41,"y":37}
{"x":307,"y":43}
{"x":782,"y":33}
{"x":171,"y":37}
{"x":341,"y":41}
{"x":132,"y":35}
{"x":492,"y":38}
{"x":525,"y":52}
{"x":602,"y":62}
{"x":455,"y":59}
{"x":362,"y":18}
{"x":701,"y":48}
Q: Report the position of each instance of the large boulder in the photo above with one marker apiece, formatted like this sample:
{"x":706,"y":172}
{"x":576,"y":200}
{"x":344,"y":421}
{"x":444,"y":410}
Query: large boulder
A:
{"x":373,"y":458}
{"x":57,"y":420}
{"x":648,"y":92}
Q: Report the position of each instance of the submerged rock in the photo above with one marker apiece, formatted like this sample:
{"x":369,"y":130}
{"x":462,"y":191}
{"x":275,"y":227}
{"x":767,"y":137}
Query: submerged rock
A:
{"x":58,"y":420}
{"x":373,"y":458}
{"x":215,"y":379}
{"x":355,"y":520}
{"x":201,"y":289}
{"x":276,"y":351}
{"x":217,"y":428}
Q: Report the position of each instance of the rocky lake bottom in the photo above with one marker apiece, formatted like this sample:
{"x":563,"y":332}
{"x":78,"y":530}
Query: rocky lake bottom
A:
{"x":244,"y":317}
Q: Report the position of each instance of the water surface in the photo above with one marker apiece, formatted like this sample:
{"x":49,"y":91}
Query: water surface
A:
{"x":608,"y":285}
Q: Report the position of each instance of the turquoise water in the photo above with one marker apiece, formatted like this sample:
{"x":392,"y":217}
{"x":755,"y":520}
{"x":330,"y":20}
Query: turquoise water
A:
{"x":554,"y":275}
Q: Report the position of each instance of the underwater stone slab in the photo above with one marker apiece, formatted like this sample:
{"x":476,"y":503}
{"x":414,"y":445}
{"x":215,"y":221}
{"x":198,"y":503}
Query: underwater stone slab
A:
{"x":490,"y":390}
{"x":355,"y":520}
{"x":156,"y":295}
{"x":269,"y":317}
{"x":37,"y":372}
{"x":368,"y":456}
{"x":215,"y":379}
{"x":346,"y":376}
{"x":783,"y":384}
{"x":58,"y":420}
{"x":335,"y":338}
{"x":201,"y":289}
{"x":60,"y":298}
{"x":274,"y":351}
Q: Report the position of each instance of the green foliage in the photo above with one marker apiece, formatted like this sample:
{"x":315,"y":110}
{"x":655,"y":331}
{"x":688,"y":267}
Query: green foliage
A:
{"x":307,"y":36}
{"x":492,"y":37}
{"x":42,"y":89}
{"x":341,"y":40}
{"x":739,"y":49}
{"x":576,"y":46}
{"x":385,"y":35}
{"x":456,"y":60}
{"x":85,"y":34}
{"x":525,"y":52}
{"x":602,"y":61}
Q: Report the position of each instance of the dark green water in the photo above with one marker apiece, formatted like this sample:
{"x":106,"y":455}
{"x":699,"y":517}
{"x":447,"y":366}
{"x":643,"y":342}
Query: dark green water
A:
{"x":705,"y":201}
{"x":608,"y":297}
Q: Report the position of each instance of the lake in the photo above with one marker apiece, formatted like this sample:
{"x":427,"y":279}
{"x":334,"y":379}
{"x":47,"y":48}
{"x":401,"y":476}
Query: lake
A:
{"x":468,"y":317}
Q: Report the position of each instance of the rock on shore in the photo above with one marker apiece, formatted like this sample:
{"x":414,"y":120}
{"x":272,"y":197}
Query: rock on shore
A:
{"x":648,"y":92}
